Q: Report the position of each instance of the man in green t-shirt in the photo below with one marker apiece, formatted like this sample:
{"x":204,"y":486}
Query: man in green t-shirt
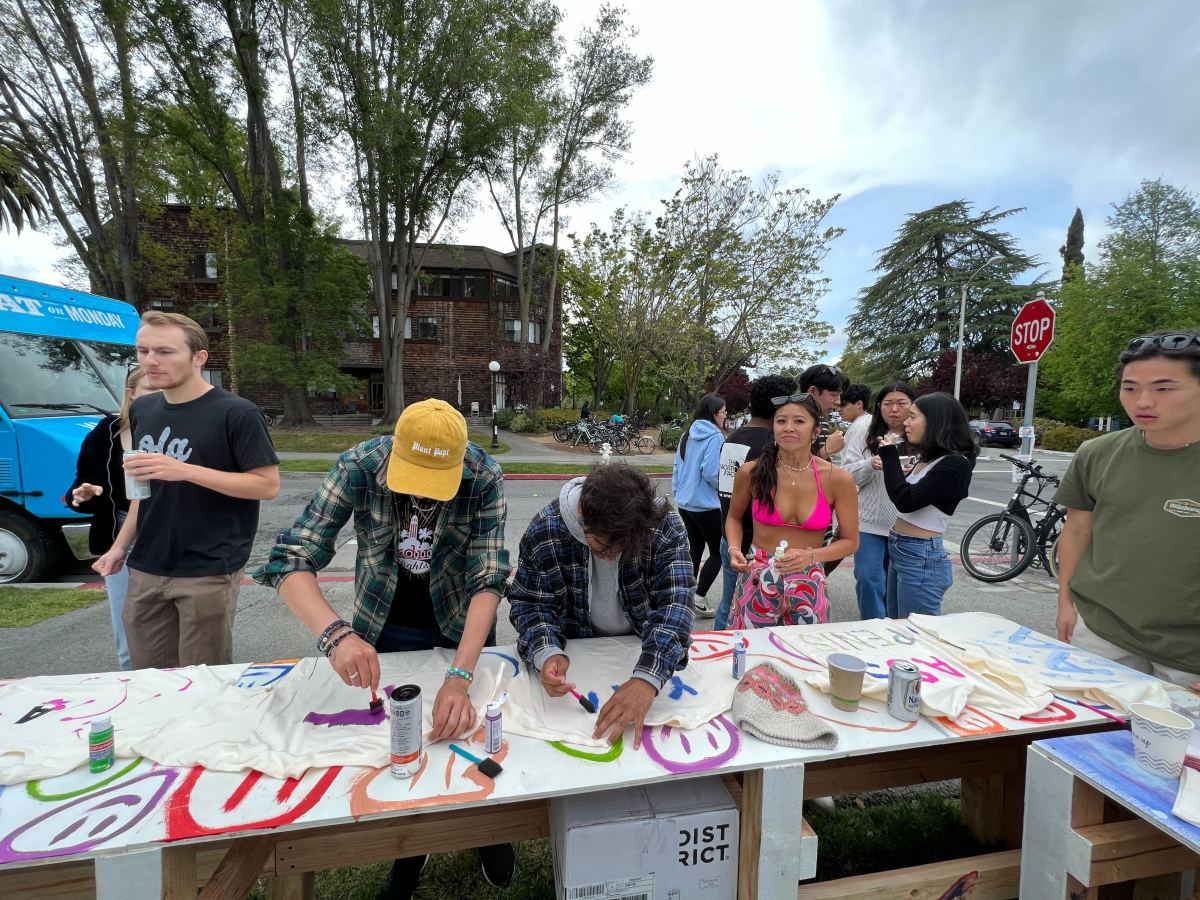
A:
{"x":1129,"y":554}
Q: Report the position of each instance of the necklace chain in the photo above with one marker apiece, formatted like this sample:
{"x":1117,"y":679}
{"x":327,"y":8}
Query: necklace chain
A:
{"x":425,"y":514}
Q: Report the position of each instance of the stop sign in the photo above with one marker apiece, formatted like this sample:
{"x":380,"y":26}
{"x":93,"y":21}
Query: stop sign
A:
{"x":1032,"y":330}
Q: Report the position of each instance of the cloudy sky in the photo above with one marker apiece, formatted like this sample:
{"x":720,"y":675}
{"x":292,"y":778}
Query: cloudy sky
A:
{"x":1041,"y":104}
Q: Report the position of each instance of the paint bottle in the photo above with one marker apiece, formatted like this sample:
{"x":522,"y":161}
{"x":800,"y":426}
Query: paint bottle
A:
{"x":406,"y":730}
{"x":100,"y":745}
{"x":493,"y":728}
{"x":739,"y":657}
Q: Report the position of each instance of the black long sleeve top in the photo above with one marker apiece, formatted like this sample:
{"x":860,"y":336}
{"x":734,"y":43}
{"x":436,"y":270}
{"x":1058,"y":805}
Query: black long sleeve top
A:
{"x":943,"y":486}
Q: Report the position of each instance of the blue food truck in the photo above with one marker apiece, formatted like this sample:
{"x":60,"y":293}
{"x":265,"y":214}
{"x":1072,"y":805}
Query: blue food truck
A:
{"x":64,"y":356}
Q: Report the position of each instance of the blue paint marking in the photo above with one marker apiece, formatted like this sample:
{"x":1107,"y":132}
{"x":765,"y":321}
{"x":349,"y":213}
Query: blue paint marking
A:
{"x":595,"y":698}
{"x":880,"y":675}
{"x":511,"y":659}
{"x":1060,"y":661}
{"x":678,"y":686}
{"x":262,"y":675}
{"x":1027,"y":637}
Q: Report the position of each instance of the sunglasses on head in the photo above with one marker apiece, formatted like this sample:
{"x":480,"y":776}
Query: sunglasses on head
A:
{"x":1171,"y":342}
{"x":790,"y":398}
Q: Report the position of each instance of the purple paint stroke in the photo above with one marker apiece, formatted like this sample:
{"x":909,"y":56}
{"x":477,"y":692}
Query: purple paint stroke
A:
{"x":356,"y":716}
{"x":685,"y":743}
{"x":119,"y":792}
{"x":94,"y":713}
{"x":677,"y":767}
{"x":779,"y":645}
{"x":712,"y":739}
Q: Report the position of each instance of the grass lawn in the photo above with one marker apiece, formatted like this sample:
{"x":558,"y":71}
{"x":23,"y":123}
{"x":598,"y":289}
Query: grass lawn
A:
{"x":512,"y":468}
{"x":337,"y":441}
{"x":28,"y":606}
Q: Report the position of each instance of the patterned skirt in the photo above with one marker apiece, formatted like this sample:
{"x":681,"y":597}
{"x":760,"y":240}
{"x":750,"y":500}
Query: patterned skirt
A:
{"x":764,"y":597}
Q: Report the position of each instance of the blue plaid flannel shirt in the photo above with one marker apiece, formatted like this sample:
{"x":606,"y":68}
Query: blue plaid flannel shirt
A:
{"x":468,"y":543}
{"x":549,"y":595}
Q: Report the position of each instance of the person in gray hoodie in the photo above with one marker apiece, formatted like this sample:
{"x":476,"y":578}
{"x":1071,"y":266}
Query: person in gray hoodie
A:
{"x":607,"y":557}
{"x":694,"y":484}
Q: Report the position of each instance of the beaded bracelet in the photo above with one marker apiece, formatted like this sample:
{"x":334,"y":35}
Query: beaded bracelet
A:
{"x":328,"y":633}
{"x":333,"y":645}
{"x":456,"y":672}
{"x":323,"y":645}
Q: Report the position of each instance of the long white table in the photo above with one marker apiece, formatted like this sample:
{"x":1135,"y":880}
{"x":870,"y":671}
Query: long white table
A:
{"x":141,"y":830}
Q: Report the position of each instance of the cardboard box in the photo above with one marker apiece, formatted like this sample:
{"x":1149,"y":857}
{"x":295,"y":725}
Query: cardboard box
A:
{"x":673,"y":840}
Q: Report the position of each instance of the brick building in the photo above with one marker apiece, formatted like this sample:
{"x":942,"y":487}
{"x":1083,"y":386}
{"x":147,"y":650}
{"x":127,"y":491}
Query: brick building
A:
{"x":463,"y":315}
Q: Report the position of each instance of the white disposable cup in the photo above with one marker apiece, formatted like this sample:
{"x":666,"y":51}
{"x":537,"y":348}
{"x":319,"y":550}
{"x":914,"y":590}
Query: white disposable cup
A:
{"x":1160,"y":738}
{"x":846,"y":673}
{"x":134,"y":489}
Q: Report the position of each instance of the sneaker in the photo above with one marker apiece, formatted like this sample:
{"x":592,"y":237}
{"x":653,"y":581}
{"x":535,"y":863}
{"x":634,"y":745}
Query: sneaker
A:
{"x":401,"y":882}
{"x":499,"y":864}
{"x":700,"y":605}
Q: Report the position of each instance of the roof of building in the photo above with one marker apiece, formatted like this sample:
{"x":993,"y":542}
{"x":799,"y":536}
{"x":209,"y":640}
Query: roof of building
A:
{"x":454,"y":256}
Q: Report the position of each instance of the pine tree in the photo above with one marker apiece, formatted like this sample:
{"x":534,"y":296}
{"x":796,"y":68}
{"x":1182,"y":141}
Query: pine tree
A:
{"x":1072,"y":251}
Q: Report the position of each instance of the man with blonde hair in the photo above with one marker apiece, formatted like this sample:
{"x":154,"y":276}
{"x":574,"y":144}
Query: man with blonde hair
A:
{"x":208,"y":460}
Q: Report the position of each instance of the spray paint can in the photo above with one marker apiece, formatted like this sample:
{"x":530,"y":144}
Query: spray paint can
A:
{"x":493,"y":728}
{"x":904,"y":691}
{"x":100,"y":745}
{"x":134,"y":489}
{"x":739,"y":657}
{"x":406,"y":730}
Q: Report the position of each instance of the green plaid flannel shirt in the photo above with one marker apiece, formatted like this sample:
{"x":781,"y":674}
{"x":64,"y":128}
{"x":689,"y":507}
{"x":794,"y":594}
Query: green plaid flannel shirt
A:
{"x":468,"y":543}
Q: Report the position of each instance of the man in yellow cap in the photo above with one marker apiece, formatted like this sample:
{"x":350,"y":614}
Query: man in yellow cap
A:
{"x":428,"y":510}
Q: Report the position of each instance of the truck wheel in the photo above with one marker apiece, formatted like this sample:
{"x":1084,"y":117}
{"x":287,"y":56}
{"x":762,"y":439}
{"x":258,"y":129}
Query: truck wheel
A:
{"x":25,"y":551}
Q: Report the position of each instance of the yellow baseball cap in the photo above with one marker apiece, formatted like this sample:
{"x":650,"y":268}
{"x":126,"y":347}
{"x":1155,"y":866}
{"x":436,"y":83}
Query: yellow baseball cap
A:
{"x":428,"y":451}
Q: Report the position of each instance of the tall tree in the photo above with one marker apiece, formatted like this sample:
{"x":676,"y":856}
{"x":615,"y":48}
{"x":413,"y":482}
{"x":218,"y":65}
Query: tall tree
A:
{"x":1159,"y":223}
{"x":909,"y":316}
{"x":1072,"y":251}
{"x":566,"y":130}
{"x":21,"y":201}
{"x":70,"y":111}
{"x":420,"y":95}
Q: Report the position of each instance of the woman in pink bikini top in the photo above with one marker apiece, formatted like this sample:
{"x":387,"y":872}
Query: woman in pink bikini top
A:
{"x":793,"y":496}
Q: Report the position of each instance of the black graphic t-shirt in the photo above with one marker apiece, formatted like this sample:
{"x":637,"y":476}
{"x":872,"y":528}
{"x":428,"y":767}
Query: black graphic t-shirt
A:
{"x":185,"y":530}
{"x":412,"y":604}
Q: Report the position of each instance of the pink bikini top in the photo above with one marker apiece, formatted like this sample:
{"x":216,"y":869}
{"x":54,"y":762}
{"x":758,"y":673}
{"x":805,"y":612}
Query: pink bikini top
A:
{"x":820,"y":519}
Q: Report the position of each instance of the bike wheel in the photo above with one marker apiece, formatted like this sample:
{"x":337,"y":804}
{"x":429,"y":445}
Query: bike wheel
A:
{"x":620,"y":444}
{"x":1052,"y":559}
{"x":562,"y":433}
{"x":998,"y":547}
{"x":1048,"y":533}
{"x":644,"y":444}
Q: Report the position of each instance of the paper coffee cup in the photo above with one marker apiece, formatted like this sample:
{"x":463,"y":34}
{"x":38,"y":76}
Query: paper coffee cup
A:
{"x":134,"y":489}
{"x":846,"y":673}
{"x":1160,"y":738}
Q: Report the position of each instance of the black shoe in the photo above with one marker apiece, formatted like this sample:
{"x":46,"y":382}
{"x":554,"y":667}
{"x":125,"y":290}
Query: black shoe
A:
{"x":401,"y":883}
{"x":499,"y":864}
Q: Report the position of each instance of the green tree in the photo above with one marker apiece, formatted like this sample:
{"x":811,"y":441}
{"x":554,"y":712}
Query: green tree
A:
{"x":1072,"y":251}
{"x":909,"y":316}
{"x":21,"y":201}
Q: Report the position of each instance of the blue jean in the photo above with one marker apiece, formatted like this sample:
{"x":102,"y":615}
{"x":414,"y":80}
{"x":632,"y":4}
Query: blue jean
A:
{"x":729,"y":579}
{"x":117,"y":586}
{"x":918,"y":575}
{"x":870,"y":575}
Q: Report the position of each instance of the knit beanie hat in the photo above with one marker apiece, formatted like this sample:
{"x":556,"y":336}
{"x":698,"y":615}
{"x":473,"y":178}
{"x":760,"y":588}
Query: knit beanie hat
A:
{"x":770,"y":706}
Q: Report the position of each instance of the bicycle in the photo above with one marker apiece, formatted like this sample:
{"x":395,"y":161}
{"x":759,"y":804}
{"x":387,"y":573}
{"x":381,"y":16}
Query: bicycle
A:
{"x":1002,"y":545}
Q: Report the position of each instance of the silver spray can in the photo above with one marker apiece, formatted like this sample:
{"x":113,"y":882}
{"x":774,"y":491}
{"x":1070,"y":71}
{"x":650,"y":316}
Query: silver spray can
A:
{"x":904,"y":691}
{"x":493,"y":729}
{"x":405,"y":711}
{"x":134,"y":489}
{"x":739,"y":658}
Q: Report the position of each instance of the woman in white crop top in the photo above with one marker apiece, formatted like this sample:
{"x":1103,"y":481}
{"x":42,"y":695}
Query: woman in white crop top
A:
{"x":919,"y":572}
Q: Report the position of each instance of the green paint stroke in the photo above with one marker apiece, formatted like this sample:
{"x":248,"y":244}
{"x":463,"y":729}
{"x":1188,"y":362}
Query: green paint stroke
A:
{"x":35,"y":791}
{"x":607,"y":756}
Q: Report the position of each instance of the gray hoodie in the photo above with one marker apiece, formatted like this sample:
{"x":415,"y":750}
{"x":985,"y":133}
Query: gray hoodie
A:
{"x":604,"y":602}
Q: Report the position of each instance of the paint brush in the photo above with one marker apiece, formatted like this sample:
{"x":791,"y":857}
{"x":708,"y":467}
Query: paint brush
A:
{"x":488,"y":767}
{"x":376,"y":703}
{"x":583,"y":701}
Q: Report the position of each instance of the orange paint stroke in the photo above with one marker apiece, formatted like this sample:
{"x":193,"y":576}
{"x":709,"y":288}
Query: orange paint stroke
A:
{"x":972,"y":721}
{"x":363,"y":804}
{"x":905,"y":727}
{"x":412,"y":783}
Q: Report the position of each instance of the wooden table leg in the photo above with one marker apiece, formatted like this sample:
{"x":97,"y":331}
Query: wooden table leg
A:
{"x":1055,"y":803}
{"x":772,"y":822}
{"x":292,"y":886}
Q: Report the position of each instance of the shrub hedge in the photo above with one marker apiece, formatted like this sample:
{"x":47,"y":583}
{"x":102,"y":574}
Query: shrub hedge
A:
{"x":669,"y":438}
{"x":1067,"y":437}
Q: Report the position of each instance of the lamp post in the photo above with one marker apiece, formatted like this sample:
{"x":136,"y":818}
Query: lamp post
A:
{"x":962,"y":324}
{"x":494,"y":368}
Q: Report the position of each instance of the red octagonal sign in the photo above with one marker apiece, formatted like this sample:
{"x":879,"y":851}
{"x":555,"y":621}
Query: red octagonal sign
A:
{"x":1032,"y":330}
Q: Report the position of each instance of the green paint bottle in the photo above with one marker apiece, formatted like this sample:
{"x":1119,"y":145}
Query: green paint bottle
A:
{"x":100,"y":745}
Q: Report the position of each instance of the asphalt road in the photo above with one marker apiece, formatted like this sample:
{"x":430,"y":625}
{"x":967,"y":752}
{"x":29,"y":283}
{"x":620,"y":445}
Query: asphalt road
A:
{"x":265,"y":630}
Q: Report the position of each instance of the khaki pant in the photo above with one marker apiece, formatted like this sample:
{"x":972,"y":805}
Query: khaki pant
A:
{"x":1086,"y":639}
{"x":180,"y":621}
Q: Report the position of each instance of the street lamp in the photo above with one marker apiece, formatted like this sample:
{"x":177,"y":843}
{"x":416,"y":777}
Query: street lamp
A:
{"x":962,"y":324}
{"x":494,"y":368}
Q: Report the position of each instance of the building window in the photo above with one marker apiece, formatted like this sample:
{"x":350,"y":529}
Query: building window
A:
{"x":476,"y":287}
{"x":215,"y":377}
{"x":426,"y":328}
{"x":535,"y":332}
{"x":204,"y":265}
{"x":440,"y":286}
{"x":512,"y":330}
{"x":207,"y":314}
{"x":506,"y":287}
{"x":162,"y":304}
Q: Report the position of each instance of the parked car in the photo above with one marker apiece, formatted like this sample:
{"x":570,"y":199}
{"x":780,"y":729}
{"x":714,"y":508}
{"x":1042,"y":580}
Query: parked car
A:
{"x":999,"y":433}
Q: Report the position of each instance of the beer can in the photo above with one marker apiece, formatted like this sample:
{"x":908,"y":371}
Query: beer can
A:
{"x":904,"y":691}
{"x":134,"y":489}
{"x":739,"y":658}
{"x":493,"y":729}
{"x":406,"y":730}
